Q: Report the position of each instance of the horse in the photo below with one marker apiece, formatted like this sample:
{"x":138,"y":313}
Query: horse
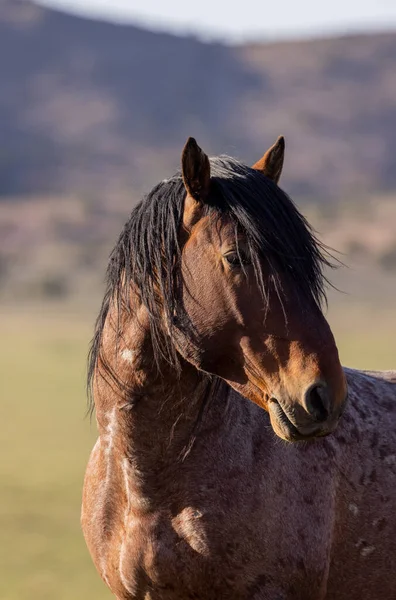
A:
{"x":216,"y":382}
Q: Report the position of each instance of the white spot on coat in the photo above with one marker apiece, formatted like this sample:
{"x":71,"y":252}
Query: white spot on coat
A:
{"x":354,"y":509}
{"x":367,"y":550}
{"x":127,"y":355}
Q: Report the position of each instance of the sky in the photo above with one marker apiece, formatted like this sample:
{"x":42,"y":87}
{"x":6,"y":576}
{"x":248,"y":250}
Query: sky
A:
{"x":245,"y":19}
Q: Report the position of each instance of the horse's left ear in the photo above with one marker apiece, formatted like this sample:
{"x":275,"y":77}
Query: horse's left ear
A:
{"x":195,"y":171}
{"x":271,"y":163}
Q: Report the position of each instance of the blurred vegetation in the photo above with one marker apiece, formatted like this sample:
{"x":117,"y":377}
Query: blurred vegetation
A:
{"x":387,"y":260}
{"x":45,"y":441}
{"x":57,"y":247}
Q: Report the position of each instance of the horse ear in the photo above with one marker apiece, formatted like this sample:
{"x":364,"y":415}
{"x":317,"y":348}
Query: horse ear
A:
{"x":195,"y":171}
{"x":271,"y":163}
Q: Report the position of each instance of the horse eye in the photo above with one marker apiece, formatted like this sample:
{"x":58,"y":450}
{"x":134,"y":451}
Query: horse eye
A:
{"x":236,"y":259}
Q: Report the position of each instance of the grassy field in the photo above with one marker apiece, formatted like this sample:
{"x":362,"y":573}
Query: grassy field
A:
{"x":44,"y":445}
{"x":45,"y":442}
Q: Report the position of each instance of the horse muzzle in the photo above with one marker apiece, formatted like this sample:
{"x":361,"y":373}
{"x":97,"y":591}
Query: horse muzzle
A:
{"x":317,"y":414}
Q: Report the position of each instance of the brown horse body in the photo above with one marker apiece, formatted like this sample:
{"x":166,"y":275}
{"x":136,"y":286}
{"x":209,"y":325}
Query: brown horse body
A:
{"x":188,"y":491}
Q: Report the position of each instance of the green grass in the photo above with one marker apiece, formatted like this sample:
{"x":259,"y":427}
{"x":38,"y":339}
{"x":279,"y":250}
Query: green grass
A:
{"x":365,"y":335}
{"x":44,"y":446}
{"x":45,"y":442}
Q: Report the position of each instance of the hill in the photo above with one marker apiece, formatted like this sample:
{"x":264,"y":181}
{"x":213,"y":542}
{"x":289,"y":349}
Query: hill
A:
{"x":94,"y":107}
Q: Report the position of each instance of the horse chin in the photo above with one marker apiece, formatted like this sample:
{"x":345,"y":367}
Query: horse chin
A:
{"x":288,"y":431}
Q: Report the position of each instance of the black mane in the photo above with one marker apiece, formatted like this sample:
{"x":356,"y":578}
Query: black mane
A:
{"x":148,"y":254}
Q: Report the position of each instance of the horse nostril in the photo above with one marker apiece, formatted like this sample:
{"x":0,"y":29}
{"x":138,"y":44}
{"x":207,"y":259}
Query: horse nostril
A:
{"x":317,"y":402}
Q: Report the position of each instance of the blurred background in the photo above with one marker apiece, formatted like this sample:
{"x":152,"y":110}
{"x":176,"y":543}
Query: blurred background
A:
{"x":96,"y":100}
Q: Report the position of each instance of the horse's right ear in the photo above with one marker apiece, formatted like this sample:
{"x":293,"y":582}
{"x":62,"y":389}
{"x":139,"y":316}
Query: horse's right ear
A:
{"x":195,"y":171}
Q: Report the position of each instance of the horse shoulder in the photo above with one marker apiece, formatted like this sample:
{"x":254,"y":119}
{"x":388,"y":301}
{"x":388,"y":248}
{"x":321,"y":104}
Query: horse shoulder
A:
{"x":103,"y":520}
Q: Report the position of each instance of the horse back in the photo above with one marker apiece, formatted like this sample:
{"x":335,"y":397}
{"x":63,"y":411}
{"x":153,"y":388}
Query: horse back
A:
{"x":364,"y":452}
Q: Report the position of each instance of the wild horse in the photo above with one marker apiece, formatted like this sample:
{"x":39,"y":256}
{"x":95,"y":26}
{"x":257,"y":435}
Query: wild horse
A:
{"x":211,"y":331}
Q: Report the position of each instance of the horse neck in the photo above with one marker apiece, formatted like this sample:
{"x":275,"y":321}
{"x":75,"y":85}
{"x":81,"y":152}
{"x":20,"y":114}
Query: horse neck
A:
{"x":146,"y":413}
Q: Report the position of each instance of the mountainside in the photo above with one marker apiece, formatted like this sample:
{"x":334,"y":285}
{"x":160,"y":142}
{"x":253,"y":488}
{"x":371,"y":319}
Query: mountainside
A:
{"x":92,"y":107}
